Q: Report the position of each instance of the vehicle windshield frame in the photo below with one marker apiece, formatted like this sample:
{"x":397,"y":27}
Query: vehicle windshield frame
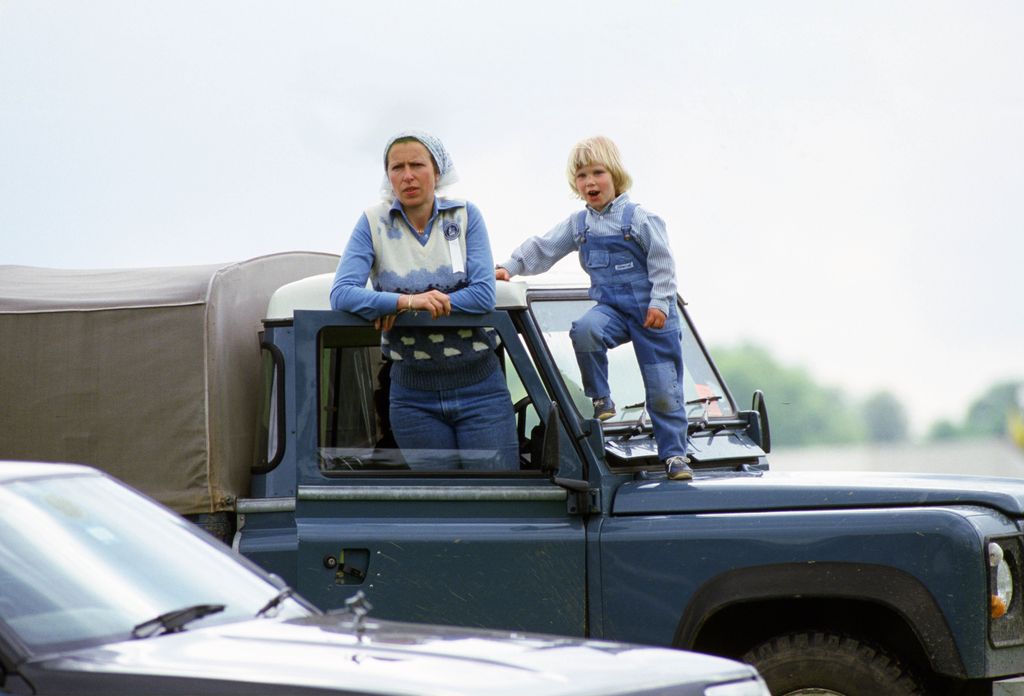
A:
{"x":693,"y":348}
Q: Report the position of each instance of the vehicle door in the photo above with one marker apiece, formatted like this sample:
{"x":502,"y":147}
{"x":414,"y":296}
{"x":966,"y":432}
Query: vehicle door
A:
{"x":441,"y":541}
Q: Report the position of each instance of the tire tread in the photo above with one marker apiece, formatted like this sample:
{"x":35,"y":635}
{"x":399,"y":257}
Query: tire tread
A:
{"x":822,"y":659}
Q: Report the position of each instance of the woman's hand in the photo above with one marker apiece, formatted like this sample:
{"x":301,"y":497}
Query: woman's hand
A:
{"x":655,"y":319}
{"x":433,"y":301}
{"x":501,"y":274}
{"x":385,"y":322}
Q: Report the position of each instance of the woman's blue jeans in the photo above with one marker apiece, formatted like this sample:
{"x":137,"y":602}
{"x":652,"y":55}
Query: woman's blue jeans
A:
{"x":471,"y":427}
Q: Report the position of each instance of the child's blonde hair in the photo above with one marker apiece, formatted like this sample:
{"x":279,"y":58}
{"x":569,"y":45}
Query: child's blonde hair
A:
{"x":598,"y":150}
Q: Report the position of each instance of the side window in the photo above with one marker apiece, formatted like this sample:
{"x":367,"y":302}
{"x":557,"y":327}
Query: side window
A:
{"x":355,"y":433}
{"x":269,"y":448}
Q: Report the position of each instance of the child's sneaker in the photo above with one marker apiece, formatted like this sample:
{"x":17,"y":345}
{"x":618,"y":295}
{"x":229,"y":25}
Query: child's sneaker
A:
{"x":678,"y":468}
{"x":604,"y":408}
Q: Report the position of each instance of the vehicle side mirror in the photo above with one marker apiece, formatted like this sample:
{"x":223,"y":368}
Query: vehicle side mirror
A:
{"x":765,"y":432}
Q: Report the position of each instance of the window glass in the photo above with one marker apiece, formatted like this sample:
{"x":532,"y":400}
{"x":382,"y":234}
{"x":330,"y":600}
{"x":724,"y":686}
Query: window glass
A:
{"x":355,"y":433}
{"x":267,"y":435}
{"x":699,"y":381}
{"x":84,"y":560}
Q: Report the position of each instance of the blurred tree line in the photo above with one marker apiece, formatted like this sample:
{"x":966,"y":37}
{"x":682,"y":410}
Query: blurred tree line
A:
{"x":804,"y":412}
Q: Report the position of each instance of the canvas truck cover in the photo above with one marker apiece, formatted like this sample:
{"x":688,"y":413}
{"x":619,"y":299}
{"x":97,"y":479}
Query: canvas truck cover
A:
{"x":150,"y":374}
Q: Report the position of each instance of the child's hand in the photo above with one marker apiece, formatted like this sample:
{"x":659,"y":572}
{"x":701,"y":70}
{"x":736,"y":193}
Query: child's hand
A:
{"x":655,"y":319}
{"x":501,"y":274}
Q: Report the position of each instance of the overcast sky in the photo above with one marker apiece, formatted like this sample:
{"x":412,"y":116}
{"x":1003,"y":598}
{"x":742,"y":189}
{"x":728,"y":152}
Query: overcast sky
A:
{"x":842,"y":182}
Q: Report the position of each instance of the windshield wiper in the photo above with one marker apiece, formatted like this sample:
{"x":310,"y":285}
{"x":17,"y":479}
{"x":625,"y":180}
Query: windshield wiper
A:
{"x":638,"y":426}
{"x":174,"y":621}
{"x":704,"y":423}
{"x":275,"y":601}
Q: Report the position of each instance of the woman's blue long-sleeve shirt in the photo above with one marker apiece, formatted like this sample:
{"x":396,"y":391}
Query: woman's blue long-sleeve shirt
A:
{"x":350,"y":292}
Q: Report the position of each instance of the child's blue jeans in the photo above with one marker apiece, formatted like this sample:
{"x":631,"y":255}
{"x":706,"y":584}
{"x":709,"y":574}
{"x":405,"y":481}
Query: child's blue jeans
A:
{"x":660,"y":356}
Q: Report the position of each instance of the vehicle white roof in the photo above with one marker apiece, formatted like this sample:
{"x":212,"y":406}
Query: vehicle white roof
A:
{"x":314,"y":292}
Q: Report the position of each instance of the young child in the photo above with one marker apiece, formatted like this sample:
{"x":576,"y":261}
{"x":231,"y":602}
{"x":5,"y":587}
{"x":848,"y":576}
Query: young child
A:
{"x":624,"y":249}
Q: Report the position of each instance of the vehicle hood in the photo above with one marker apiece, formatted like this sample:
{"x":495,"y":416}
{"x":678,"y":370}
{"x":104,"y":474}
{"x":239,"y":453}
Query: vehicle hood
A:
{"x":396,"y":658}
{"x":765,"y":491}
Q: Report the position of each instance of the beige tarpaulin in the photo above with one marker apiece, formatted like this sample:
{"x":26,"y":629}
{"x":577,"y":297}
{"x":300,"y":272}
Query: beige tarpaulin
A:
{"x":149,"y":374}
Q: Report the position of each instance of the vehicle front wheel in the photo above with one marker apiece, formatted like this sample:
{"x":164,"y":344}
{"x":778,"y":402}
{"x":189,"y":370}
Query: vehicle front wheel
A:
{"x":817,"y":663}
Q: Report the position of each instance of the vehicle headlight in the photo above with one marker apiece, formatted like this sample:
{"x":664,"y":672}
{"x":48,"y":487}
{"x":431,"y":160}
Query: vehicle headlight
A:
{"x":1002,"y":587}
{"x":1005,"y":560}
{"x":754,"y":687}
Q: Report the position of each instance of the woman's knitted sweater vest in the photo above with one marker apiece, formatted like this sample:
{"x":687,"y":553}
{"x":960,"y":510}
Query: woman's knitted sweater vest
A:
{"x":424,"y":358}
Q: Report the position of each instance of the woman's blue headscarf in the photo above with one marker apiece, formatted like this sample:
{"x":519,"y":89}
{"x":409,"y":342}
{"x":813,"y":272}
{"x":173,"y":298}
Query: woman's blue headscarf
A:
{"x":446,"y":168}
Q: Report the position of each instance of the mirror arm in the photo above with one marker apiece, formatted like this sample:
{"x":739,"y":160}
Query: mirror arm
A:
{"x":550,"y":450}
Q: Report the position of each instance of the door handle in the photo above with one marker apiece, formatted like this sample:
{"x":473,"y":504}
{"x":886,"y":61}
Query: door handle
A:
{"x":350,"y":566}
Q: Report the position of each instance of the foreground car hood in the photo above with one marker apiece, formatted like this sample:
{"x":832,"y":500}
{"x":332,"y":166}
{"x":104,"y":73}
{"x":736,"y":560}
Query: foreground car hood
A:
{"x":396,"y":658}
{"x":816,"y":490}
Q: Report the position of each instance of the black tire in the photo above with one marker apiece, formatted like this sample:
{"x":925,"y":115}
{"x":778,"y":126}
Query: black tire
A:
{"x":825,"y":664}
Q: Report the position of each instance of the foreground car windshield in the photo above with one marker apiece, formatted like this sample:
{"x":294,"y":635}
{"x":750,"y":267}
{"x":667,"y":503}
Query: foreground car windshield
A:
{"x":83,"y":560}
{"x":699,"y":380}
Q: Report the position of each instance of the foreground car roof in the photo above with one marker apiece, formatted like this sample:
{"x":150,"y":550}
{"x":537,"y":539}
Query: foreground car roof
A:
{"x":12,"y":471}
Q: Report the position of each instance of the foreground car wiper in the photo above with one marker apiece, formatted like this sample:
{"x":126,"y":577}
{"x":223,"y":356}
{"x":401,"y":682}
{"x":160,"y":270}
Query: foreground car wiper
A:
{"x":275,"y":601}
{"x":174,"y":621}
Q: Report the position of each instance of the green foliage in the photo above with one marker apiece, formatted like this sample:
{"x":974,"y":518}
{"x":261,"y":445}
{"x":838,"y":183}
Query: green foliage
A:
{"x":943,"y":430}
{"x":885,"y":418}
{"x":801,"y":411}
{"x":986,"y":415}
{"x":804,"y":412}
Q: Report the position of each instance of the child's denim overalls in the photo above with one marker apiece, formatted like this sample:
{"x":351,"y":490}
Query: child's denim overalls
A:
{"x":617,"y":266}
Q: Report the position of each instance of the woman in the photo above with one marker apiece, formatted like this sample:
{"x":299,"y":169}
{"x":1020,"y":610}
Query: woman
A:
{"x":424,"y":253}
